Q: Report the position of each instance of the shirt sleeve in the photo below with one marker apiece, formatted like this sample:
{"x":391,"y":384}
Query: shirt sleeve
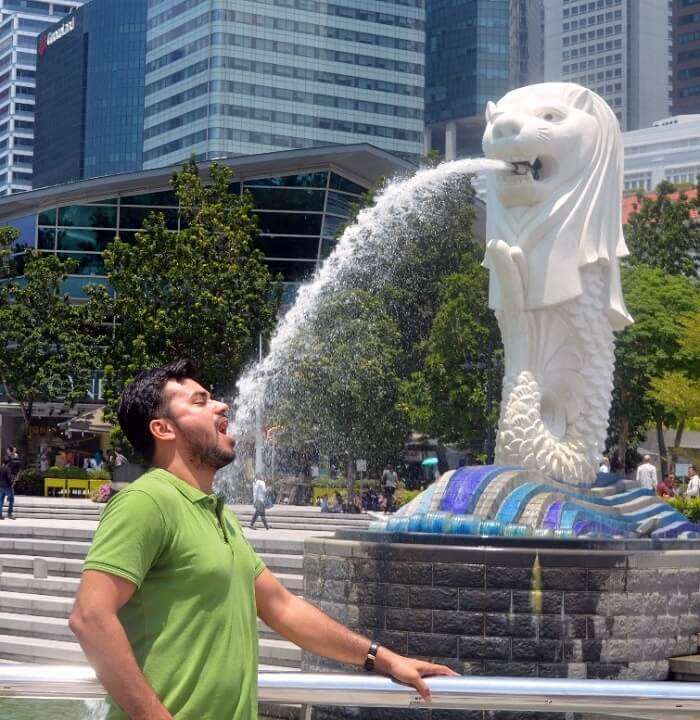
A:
{"x":130,"y":537}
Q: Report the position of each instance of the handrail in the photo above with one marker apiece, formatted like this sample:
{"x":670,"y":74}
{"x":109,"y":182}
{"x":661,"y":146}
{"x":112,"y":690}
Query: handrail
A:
{"x":622,"y":698}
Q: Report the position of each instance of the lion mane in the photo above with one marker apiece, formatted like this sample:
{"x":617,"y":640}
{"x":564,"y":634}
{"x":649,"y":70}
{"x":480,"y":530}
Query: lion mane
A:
{"x":579,"y":225}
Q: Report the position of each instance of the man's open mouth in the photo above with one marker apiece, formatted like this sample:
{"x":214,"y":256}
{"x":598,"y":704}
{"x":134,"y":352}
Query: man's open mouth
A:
{"x":222,"y":426}
{"x":522,"y":167}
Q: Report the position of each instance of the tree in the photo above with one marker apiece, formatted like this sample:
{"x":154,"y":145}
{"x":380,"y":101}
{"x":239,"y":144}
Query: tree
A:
{"x":203,"y":292}
{"x":649,"y":348}
{"x":49,"y":346}
{"x":455,"y":394}
{"x":662,"y":232}
{"x":678,"y":392}
{"x":340,"y":390}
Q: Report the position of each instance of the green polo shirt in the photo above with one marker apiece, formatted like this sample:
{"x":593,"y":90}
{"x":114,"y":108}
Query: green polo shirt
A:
{"x":192,"y":620}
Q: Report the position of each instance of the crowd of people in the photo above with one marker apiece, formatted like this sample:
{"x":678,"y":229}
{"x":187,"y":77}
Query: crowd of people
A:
{"x":669,"y":486}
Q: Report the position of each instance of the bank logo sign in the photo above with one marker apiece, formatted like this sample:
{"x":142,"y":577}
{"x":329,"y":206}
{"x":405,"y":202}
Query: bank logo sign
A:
{"x":50,"y":38}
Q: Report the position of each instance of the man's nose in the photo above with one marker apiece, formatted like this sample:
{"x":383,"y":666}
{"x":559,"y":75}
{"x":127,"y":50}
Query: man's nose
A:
{"x":223,"y":407}
{"x":505,"y":127}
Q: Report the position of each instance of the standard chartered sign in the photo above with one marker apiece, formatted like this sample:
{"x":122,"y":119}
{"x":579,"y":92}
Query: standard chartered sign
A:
{"x":57,"y":34}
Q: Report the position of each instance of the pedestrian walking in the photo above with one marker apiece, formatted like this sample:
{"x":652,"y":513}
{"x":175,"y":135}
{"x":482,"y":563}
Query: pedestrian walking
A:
{"x":646,"y":474}
{"x":7,"y":490}
{"x":390,"y":480}
{"x":167,"y":603}
{"x":693,"y":488}
{"x":604,"y":466}
{"x":259,"y":500}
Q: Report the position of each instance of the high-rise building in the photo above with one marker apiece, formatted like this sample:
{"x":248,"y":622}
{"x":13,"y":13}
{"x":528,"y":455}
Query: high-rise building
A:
{"x":467,"y":64}
{"x":619,"y":48}
{"x":526,"y":47}
{"x":686,"y":57}
{"x":20,"y":23}
{"x":89,"y":93}
{"x":238,"y":77}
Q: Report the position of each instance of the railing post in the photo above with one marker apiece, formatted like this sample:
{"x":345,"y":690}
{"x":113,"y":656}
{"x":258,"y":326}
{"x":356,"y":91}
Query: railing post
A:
{"x":305,"y":713}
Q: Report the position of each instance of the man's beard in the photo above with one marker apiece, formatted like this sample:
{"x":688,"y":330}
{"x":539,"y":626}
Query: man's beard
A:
{"x":205,"y":452}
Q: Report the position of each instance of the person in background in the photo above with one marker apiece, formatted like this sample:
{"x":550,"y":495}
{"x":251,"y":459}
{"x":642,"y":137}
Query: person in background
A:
{"x":337,"y":507}
{"x":7,"y":490}
{"x":389,"y":480}
{"x":693,"y":488}
{"x":259,"y":498}
{"x":667,"y":487}
{"x":604,"y":466}
{"x":324,"y":504}
{"x":646,"y":474}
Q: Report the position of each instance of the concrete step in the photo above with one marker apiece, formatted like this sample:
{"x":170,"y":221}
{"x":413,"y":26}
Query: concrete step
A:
{"x":24,"y":649}
{"x":26,"y":603}
{"x":282,"y":562}
{"x":55,"y":586}
{"x":35,"y":626}
{"x":58,"y":567}
{"x":279,"y":653}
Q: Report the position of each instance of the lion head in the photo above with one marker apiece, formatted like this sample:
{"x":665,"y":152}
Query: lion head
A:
{"x":561,"y":205}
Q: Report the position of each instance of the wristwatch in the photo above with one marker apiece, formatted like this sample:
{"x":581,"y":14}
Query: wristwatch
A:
{"x":371,"y":657}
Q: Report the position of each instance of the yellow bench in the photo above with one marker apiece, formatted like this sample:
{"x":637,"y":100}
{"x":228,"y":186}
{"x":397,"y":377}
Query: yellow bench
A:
{"x":79,"y":486}
{"x":58,"y":484}
{"x":96,"y":485}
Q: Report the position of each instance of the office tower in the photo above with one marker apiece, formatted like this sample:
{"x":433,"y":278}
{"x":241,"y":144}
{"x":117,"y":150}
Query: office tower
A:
{"x":619,"y":48}
{"x":686,"y":57}
{"x":526,"y":46}
{"x":89,"y":93}
{"x":20,"y":22}
{"x":467,"y":64}
{"x":238,"y":77}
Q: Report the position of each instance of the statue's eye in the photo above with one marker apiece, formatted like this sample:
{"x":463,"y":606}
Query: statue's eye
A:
{"x":551,"y":116}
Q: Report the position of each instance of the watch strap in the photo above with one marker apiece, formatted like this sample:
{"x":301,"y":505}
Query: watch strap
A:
{"x":371,"y":657}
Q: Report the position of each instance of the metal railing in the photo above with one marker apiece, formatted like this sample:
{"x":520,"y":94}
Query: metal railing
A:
{"x":620,"y":698}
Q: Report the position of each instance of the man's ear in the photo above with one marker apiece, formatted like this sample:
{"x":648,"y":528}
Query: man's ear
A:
{"x":161,"y":429}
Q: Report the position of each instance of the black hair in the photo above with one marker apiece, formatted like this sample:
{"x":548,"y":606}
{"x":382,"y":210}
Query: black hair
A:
{"x":143,"y":400}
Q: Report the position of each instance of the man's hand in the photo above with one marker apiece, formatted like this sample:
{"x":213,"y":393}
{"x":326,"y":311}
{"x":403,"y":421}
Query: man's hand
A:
{"x":409,"y":671}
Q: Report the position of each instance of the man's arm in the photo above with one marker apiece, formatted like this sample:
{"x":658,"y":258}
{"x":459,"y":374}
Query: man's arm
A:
{"x":94,"y":622}
{"x":311,"y":629}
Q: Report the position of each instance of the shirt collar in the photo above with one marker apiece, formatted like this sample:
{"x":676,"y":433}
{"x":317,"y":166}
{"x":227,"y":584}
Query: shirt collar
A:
{"x":193,"y":494}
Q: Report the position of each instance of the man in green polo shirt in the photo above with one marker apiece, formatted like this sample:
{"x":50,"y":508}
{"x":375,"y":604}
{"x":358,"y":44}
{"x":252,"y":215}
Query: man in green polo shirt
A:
{"x":167,"y":604}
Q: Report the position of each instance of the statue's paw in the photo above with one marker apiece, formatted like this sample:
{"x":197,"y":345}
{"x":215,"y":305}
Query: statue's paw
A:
{"x":506,"y":269}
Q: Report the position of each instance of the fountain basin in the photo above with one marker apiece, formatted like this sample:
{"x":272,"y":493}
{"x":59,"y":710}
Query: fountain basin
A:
{"x":529,"y":607}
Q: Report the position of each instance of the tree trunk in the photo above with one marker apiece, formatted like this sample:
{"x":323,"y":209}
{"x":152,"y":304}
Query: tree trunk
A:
{"x":622,"y":442}
{"x":663,"y":451}
{"x":677,"y":442}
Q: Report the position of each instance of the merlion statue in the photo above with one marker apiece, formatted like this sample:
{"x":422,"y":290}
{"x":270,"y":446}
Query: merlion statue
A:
{"x":554,"y":240}
{"x":554,"y":243}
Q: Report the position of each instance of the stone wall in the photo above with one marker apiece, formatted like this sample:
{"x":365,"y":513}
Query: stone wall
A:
{"x":555,"y":612}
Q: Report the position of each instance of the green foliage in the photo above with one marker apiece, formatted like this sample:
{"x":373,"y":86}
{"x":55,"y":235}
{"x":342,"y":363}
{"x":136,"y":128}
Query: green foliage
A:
{"x":49,"y":347}
{"x":341,"y":390}
{"x":74,"y":473}
{"x":662,"y":233}
{"x":29,"y":482}
{"x":690,"y":507}
{"x":446,"y":397}
{"x":651,"y":347}
{"x":203,"y":293}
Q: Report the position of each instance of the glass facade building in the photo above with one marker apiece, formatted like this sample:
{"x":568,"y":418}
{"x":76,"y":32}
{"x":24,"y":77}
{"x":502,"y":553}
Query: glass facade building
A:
{"x":300,"y":207}
{"x":89,"y":94}
{"x":20,"y":23}
{"x":240,"y":77}
{"x":467,"y":64}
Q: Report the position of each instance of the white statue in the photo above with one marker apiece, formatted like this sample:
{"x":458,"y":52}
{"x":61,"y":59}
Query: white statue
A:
{"x":554,"y":239}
